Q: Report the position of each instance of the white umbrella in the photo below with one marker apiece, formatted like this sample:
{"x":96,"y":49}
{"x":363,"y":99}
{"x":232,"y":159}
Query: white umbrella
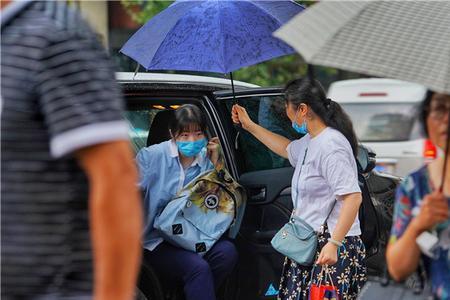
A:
{"x":407,"y":40}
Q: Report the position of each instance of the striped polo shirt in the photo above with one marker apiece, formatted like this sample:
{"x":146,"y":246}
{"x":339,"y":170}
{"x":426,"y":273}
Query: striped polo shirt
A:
{"x":58,"y":95}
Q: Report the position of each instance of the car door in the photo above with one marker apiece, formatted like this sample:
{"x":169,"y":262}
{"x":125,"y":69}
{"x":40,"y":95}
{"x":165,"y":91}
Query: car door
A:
{"x":267,"y":179}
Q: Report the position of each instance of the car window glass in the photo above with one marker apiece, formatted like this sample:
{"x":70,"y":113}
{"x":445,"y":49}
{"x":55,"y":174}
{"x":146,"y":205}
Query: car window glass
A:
{"x":139,"y":122}
{"x":417,"y":130}
{"x":270,"y":113}
{"x":383,"y":122}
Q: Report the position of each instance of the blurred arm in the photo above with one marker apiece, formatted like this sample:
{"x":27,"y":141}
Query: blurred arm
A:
{"x":402,"y":257}
{"x":115,"y":218}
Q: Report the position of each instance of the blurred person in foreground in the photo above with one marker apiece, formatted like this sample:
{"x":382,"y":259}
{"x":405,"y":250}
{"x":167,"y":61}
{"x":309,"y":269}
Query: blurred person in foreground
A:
{"x":421,"y":207}
{"x":70,"y":211}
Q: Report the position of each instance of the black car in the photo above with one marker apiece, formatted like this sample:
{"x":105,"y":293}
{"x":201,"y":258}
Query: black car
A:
{"x":150,"y":101}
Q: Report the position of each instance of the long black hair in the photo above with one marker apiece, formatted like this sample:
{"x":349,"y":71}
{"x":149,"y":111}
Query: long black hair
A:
{"x":186,"y":118}
{"x":424,"y":111}
{"x":303,"y":90}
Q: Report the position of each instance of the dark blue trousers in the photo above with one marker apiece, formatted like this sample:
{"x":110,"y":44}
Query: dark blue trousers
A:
{"x":200,"y":276}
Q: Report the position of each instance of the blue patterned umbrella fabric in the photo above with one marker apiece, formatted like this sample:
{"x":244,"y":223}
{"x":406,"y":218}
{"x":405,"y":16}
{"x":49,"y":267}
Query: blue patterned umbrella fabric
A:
{"x":211,"y":36}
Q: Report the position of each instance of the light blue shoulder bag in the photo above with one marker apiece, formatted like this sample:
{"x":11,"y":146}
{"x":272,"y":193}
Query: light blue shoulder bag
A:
{"x":297,"y":239}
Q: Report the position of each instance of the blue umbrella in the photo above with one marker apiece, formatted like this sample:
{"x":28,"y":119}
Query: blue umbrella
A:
{"x":211,"y":36}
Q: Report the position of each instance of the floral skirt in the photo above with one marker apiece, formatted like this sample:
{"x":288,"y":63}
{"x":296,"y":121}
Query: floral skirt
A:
{"x":349,"y":274}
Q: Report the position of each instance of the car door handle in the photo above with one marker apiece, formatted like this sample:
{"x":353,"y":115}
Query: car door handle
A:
{"x":257,"y":194}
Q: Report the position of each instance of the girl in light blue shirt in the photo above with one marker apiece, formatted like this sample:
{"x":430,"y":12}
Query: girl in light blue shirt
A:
{"x":164,"y":169}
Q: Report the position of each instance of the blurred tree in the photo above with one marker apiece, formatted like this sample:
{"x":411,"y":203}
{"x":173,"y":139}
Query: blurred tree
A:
{"x":275,"y":72}
{"x":143,"y":10}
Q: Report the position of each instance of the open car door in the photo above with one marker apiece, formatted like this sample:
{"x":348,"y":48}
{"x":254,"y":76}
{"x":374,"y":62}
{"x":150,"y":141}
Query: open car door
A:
{"x":267,"y":178}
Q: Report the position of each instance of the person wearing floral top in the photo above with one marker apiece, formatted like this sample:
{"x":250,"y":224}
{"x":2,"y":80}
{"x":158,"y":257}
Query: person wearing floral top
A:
{"x":421,"y":206}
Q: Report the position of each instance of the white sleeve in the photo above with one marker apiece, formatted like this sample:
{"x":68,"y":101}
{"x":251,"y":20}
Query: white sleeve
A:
{"x":340,"y":171}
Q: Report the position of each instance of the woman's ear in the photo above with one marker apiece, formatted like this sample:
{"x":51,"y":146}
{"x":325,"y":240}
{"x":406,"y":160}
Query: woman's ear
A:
{"x":304,"y":110}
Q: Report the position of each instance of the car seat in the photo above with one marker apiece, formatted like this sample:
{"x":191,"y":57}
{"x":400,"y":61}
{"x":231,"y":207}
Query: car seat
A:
{"x":153,"y":286}
{"x":159,"y":129}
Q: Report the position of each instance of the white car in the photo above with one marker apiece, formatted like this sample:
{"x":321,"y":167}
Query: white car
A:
{"x":150,"y":100}
{"x":385,"y":117}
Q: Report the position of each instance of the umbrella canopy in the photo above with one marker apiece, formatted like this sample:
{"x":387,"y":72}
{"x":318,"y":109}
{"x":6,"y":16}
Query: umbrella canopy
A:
{"x":211,"y":36}
{"x":407,"y":40}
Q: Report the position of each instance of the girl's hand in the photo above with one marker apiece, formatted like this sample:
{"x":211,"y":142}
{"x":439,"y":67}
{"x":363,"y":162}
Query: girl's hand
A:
{"x":328,"y":255}
{"x":434,"y":210}
{"x":240,"y":116}
{"x":213,"y":150}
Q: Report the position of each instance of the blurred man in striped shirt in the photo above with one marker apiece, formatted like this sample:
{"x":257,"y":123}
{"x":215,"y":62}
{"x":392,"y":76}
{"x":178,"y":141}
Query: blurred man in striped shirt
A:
{"x":70,"y":209}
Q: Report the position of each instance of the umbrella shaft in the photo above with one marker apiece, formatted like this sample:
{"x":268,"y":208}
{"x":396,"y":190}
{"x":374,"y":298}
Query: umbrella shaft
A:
{"x":232,"y":88}
{"x":444,"y":172}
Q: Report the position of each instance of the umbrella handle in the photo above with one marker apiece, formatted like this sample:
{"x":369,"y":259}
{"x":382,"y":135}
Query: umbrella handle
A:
{"x":238,"y":127}
{"x":232,"y":89}
{"x":235,"y":101}
{"x":447,"y":150}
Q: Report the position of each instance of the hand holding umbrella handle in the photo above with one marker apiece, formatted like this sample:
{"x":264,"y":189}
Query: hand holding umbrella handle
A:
{"x":240,"y":116}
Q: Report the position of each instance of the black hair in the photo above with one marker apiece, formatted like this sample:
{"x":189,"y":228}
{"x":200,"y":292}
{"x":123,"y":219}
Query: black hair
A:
{"x":424,"y":111}
{"x":186,"y":118}
{"x":304,"y":90}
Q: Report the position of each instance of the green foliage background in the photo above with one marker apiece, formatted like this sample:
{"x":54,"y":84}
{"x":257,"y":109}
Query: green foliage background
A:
{"x":275,"y":72}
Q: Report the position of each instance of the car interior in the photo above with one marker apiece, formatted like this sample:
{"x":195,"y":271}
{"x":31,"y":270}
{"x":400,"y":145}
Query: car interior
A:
{"x":153,"y":118}
{"x":149,"y":120}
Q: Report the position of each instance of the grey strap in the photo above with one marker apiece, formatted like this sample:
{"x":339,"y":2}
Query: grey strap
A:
{"x":299,"y":173}
{"x":329,"y":214}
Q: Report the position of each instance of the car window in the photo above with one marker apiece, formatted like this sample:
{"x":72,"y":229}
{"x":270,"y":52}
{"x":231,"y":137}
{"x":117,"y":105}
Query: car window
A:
{"x":383,"y":122}
{"x":270,"y":113}
{"x":139,"y":122}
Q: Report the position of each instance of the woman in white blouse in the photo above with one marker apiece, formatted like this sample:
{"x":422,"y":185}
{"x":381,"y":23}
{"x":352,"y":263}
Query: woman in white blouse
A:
{"x":325,"y":181}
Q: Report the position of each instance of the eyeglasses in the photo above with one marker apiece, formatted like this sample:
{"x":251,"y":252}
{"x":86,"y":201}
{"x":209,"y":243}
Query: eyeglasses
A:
{"x":440,"y":110}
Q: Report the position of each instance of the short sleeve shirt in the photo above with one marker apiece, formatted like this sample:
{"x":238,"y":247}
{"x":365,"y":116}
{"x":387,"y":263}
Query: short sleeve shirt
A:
{"x":407,"y":205}
{"x":58,"y":95}
{"x":327,"y":172}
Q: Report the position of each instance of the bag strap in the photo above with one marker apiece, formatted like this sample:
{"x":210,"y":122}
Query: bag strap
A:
{"x":323,"y":269}
{"x":232,"y":196}
{"x":329,"y":214}
{"x":301,"y":167}
{"x":300,"y":172}
{"x":220,"y":165}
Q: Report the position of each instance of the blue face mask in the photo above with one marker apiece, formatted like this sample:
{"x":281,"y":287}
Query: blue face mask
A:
{"x":300,"y":129}
{"x":190,"y":149}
